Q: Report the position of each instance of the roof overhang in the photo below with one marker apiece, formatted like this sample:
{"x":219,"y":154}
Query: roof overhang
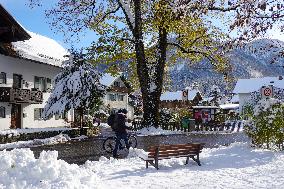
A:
{"x":10,"y":29}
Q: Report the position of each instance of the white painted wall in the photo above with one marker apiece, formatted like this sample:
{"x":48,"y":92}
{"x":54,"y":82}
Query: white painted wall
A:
{"x":28,"y":70}
{"x":243,"y":99}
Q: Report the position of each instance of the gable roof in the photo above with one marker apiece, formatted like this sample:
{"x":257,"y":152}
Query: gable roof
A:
{"x":177,"y":95}
{"x":107,"y":79}
{"x":254,"y":84}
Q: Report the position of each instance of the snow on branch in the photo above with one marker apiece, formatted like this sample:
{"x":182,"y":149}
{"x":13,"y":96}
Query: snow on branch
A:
{"x":77,"y":86}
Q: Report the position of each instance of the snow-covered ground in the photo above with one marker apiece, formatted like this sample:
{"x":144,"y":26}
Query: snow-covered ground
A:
{"x":236,"y":166}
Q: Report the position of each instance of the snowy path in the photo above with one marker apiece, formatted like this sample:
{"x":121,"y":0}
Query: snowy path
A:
{"x":237,"y":166}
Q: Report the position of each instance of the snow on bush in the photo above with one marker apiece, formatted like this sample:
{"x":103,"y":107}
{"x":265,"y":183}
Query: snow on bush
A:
{"x":76,"y":86}
{"x":266,"y":123}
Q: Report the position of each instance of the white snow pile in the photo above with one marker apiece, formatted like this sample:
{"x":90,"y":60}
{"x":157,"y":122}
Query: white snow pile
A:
{"x":19,"y":169}
{"x":234,"y":167}
{"x":41,"y":48}
{"x":156,"y":131}
{"x":36,"y":142}
{"x":16,"y":132}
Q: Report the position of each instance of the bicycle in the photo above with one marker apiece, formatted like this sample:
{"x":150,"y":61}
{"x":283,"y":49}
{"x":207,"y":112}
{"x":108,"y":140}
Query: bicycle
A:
{"x":109,"y":143}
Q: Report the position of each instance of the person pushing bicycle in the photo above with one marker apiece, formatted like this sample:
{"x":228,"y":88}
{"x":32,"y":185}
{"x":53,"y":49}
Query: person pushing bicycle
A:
{"x":120,"y":130}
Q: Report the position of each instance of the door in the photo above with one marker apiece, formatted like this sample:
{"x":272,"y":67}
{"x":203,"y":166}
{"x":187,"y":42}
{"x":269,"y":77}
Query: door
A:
{"x":17,"y":81}
{"x":16,"y":116}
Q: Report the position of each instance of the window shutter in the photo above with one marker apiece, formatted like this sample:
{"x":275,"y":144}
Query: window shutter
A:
{"x":2,"y":112}
{"x":48,"y":84}
{"x":36,"y":82}
{"x":3,"y":78}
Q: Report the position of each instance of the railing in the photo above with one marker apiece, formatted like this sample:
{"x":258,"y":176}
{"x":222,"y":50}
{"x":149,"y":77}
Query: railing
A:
{"x":212,"y":126}
{"x":8,"y":94}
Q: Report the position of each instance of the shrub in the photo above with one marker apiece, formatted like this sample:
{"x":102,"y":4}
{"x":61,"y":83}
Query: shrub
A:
{"x":266,"y":123}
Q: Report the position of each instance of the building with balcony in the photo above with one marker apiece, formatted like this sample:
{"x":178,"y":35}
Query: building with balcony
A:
{"x":28,"y":63}
{"x":117,"y":94}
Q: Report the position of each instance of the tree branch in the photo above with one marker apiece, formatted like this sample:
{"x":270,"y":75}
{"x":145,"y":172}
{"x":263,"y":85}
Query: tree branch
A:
{"x":129,"y":23}
{"x":206,"y":55}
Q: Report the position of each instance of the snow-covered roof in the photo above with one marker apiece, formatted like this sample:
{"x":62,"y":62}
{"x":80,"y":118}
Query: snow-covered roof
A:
{"x":107,"y":79}
{"x":254,"y":84}
{"x":42,"y":49}
{"x":229,"y":106}
{"x":177,"y":95}
{"x":205,"y":107}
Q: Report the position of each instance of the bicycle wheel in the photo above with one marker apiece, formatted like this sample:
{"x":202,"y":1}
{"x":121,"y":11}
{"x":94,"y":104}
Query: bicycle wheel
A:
{"x":132,"y":141}
{"x":109,"y":144}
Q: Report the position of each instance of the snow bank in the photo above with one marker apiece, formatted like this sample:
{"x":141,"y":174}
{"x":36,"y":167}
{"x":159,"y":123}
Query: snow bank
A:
{"x":156,"y":131}
{"x":36,"y":142}
{"x":16,"y":132}
{"x":19,"y":169}
{"x":237,"y":166}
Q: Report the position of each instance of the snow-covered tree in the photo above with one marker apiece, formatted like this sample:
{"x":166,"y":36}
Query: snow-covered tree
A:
{"x":266,"y":123}
{"x":144,"y":31}
{"x":215,"y":94}
{"x":77,"y":86}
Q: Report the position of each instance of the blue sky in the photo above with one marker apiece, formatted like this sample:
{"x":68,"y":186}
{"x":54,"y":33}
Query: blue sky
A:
{"x":34,"y":20}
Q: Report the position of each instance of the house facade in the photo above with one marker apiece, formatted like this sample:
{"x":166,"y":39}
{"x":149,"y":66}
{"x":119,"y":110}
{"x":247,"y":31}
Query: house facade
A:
{"x":117,"y":95}
{"x":245,"y":87}
{"x":27,"y":67}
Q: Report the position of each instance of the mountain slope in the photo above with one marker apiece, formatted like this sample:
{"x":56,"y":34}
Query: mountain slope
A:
{"x":259,"y":58}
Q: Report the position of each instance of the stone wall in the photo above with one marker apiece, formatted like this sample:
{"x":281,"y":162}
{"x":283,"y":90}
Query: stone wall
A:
{"x":91,"y":148}
{"x":8,"y":138}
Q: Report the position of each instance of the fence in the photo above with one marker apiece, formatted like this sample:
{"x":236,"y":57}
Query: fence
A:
{"x":211,"y":126}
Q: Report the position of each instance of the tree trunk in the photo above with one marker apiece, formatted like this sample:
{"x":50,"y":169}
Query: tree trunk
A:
{"x":150,"y":75}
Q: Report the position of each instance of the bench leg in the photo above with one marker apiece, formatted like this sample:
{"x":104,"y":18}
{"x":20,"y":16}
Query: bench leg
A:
{"x":146,"y":164}
{"x":187,"y":159}
{"x":156,"y":164}
{"x":194,"y":159}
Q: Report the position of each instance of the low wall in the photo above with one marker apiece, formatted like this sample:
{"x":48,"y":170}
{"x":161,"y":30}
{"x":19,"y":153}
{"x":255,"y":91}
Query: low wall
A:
{"x":91,"y":148}
{"x":8,"y":138}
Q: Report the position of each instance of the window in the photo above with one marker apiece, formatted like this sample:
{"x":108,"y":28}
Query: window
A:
{"x":120,"y":97}
{"x":3,"y":78}
{"x":38,"y":113}
{"x":42,"y":83}
{"x":112,"y":97}
{"x":116,"y":84}
{"x":64,"y":115}
{"x":2,"y":112}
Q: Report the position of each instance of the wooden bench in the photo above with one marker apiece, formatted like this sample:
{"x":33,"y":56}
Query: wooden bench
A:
{"x":156,"y":153}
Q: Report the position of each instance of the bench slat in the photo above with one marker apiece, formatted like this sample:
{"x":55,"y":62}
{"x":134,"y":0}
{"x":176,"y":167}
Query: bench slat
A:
{"x":191,"y":150}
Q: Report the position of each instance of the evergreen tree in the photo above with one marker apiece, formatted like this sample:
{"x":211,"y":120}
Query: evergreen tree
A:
{"x":77,"y":86}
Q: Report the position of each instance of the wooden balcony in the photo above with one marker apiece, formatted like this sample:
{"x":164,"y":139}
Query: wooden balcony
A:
{"x":11,"y":95}
{"x":118,"y":89}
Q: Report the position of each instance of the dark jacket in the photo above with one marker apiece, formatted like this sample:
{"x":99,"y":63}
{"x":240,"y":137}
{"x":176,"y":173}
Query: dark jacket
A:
{"x":120,"y":120}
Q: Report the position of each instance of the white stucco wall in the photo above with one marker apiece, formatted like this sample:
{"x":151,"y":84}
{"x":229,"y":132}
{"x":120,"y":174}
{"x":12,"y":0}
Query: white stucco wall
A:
{"x":28,"y":70}
{"x":243,"y":98}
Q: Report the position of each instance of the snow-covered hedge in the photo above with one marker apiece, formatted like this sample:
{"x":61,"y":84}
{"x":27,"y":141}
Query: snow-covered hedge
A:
{"x":266,"y":123}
